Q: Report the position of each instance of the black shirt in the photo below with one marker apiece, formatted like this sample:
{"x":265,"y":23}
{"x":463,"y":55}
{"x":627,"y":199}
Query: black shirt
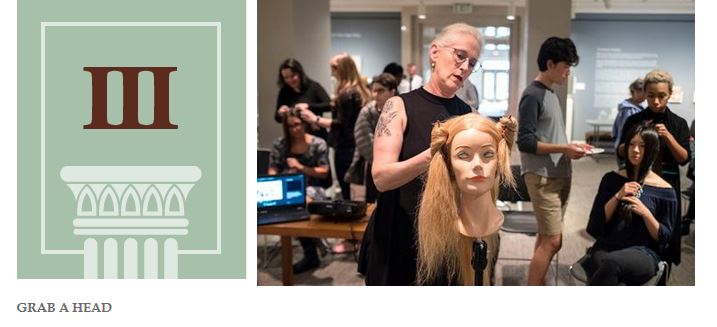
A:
{"x":345,"y":113}
{"x":388,"y":251}
{"x":313,"y":94}
{"x":676,"y":125}
{"x":617,"y":233}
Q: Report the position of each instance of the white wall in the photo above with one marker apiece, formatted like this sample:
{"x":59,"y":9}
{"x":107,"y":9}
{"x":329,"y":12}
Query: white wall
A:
{"x":671,"y":38}
{"x":289,"y":28}
{"x":312,"y":39}
{"x":373,"y":37}
{"x":545,"y":19}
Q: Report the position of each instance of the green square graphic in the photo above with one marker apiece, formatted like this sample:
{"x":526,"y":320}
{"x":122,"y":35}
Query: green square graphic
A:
{"x":121,"y":201}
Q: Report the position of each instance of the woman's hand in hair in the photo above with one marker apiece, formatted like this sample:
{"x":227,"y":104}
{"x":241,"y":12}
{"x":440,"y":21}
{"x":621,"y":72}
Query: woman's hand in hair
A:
{"x":306,"y":114}
{"x":629,"y":189}
{"x":679,"y":152}
{"x":662,"y":131}
{"x":283,"y":110}
{"x":637,"y":206}
{"x":301,"y":106}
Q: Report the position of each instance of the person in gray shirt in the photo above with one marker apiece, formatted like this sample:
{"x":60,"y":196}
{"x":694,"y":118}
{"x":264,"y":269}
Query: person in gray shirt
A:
{"x":545,"y":152}
{"x":383,"y":87}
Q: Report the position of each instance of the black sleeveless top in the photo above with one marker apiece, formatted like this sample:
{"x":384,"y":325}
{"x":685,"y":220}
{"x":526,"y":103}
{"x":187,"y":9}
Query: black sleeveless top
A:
{"x":388,"y":250}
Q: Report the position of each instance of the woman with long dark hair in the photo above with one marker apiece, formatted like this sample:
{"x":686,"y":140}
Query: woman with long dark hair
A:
{"x":299,"y":152}
{"x":297,"y":91}
{"x":633,"y":216}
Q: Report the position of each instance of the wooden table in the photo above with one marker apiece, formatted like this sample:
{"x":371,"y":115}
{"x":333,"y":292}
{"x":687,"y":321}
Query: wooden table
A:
{"x":318,"y":227}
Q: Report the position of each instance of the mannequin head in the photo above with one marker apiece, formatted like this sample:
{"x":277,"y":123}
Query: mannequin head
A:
{"x":462,"y":148}
{"x":454,"y":145}
{"x":474,"y":162}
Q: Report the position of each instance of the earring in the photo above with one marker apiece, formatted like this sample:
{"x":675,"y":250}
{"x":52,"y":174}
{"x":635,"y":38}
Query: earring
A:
{"x":433,"y":65}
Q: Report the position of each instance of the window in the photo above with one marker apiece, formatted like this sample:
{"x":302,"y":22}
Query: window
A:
{"x":489,"y":86}
{"x":501,"y":86}
{"x":493,"y":82}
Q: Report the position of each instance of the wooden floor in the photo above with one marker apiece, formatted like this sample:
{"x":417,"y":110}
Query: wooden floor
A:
{"x":587,"y":172}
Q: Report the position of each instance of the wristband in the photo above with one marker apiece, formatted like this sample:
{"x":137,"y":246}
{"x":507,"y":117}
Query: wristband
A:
{"x":616,"y":198}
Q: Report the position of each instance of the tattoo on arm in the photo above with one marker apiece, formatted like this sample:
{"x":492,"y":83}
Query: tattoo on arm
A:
{"x":387,"y":115}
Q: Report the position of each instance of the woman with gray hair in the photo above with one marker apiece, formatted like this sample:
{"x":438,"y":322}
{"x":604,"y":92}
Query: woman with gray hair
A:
{"x":401,"y":155}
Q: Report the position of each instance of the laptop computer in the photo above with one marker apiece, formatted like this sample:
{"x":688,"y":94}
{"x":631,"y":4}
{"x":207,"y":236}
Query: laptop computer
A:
{"x":280,"y":198}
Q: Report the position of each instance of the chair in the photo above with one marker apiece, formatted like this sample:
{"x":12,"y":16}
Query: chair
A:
{"x":520,"y":221}
{"x":578,"y":272}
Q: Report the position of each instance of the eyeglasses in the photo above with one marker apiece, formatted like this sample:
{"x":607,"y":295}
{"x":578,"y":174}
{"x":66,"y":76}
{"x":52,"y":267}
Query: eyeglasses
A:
{"x":460,"y":56}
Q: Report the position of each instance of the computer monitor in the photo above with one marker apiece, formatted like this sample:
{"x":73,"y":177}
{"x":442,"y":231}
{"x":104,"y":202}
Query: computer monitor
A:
{"x":280,"y":191}
{"x":280,"y":198}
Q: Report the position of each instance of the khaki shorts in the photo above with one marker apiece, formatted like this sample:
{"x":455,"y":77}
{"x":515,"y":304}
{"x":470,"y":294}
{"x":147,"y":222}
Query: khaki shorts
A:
{"x":550,"y":199}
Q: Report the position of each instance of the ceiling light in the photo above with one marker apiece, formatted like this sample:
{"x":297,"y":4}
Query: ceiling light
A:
{"x":511,"y":11}
{"x":421,"y":11}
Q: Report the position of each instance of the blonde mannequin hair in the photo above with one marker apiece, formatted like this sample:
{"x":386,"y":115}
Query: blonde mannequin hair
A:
{"x":441,"y":247}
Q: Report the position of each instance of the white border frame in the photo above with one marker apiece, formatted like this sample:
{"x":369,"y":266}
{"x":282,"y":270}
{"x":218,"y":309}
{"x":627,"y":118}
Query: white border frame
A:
{"x":43,"y":26}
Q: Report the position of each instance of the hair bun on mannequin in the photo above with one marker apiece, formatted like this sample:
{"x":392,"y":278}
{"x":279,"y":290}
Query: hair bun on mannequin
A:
{"x":439,"y":136}
{"x":508,"y":125}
